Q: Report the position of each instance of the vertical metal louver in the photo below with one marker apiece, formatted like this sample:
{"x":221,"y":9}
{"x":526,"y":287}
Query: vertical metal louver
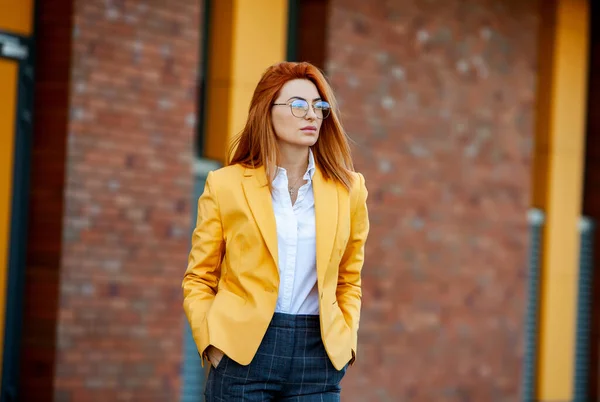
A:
{"x":584,"y":306}
{"x":536,"y":219}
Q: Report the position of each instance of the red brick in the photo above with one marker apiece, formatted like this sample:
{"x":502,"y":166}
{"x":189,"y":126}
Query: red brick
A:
{"x":440,"y":100}
{"x":133,"y":70}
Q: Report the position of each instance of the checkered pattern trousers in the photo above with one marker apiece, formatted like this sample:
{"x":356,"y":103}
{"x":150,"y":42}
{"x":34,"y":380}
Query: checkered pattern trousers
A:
{"x":290,"y":365}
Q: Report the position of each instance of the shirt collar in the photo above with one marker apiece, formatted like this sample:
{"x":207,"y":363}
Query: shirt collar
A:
{"x":310,"y":170}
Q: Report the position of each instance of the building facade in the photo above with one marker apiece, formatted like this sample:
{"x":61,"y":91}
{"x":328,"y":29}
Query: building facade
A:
{"x":467,"y":117}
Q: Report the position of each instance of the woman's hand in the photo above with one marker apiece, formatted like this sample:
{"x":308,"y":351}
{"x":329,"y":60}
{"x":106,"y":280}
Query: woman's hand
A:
{"x":214,"y":355}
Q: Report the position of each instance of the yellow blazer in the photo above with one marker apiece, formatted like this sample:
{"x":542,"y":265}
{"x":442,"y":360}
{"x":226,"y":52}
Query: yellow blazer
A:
{"x":231,"y":283}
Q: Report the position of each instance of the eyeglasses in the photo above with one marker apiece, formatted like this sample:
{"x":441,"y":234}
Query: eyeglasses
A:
{"x":299,"y":108}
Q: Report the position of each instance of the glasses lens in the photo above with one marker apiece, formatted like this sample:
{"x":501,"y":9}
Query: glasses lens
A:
{"x":322,"y":109}
{"x":299,"y":108}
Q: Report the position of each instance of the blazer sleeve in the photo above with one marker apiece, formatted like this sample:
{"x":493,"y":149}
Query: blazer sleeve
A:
{"x":204,"y":265}
{"x":349,"y":280}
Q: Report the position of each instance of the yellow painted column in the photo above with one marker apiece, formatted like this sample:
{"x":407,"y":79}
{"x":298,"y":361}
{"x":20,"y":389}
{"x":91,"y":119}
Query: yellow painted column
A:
{"x":558,"y":182}
{"x":16,"y":17}
{"x":246,"y":36}
{"x":8,"y":98}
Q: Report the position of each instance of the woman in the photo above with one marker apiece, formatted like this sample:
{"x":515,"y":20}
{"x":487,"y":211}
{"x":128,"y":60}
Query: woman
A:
{"x":272,"y":289}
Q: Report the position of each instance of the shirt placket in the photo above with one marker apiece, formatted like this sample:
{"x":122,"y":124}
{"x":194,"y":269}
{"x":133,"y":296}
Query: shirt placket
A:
{"x":290,"y":226}
{"x":290,"y":271}
{"x":291,"y":236}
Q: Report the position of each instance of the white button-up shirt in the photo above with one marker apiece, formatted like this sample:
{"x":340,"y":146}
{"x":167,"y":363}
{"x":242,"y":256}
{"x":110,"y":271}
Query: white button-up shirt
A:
{"x":296,"y":244}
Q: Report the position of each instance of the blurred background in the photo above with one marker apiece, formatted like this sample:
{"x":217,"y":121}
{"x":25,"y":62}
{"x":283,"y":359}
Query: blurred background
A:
{"x":475,"y":122}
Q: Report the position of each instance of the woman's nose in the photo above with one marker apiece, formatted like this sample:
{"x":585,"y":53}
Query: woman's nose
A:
{"x":312,"y":115}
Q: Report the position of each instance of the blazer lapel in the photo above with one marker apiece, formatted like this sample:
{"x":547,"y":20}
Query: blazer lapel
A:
{"x":259,"y":199}
{"x":326,"y":214}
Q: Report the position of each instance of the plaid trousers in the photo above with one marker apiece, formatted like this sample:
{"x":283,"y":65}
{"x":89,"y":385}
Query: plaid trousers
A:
{"x":290,"y":365}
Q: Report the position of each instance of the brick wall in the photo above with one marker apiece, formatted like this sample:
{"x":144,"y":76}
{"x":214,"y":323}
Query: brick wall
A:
{"x":128,"y":199}
{"x":439,"y":97}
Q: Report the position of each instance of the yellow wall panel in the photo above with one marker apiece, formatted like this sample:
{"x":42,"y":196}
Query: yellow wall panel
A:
{"x":16,"y":16}
{"x":247,"y":36}
{"x":219,"y":83}
{"x":8,"y":100}
{"x":261,"y":41}
{"x":560,"y":160}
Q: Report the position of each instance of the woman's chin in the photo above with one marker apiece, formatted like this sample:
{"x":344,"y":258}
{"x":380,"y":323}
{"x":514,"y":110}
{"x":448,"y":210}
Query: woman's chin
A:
{"x":308,"y":140}
{"x":300,"y":143}
{"x":301,"y":140}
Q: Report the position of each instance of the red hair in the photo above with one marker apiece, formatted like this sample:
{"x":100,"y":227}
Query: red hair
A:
{"x":256,"y":145}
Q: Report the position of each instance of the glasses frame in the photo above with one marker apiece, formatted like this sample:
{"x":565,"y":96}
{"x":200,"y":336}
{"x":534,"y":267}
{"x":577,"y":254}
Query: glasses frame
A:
{"x":289,"y":103}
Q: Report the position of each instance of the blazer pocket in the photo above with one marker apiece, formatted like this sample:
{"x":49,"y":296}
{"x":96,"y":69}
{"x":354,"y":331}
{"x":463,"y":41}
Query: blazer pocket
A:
{"x":224,"y":302}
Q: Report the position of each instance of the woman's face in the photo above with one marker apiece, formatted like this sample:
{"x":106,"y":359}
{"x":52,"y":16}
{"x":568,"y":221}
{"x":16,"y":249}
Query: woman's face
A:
{"x":291,"y":128}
